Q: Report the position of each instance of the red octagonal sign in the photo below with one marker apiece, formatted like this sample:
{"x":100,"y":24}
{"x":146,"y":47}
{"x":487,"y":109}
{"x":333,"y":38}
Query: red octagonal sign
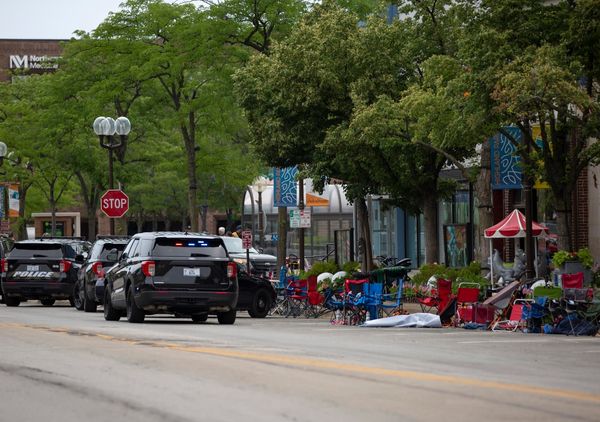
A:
{"x":114,"y":203}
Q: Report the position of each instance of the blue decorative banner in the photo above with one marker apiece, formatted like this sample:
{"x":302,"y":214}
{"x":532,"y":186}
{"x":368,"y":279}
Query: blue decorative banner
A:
{"x":2,"y":208}
{"x":506,"y":166}
{"x":285,"y":193}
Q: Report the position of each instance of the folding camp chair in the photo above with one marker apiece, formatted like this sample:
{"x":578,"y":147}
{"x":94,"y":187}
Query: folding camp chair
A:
{"x":533,"y":314}
{"x":315,"y":300}
{"x":391,"y":303}
{"x":439,"y":299}
{"x":572,"y":281}
{"x":466,"y":296}
{"x":515,"y":321}
{"x":373,"y":299}
{"x":354,"y":301}
{"x":297,"y":292}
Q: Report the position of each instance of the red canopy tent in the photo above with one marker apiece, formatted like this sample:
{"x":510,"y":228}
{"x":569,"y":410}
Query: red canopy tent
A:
{"x":512,"y":226}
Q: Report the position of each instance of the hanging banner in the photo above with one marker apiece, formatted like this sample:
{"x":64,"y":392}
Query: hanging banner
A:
{"x":13,"y":201}
{"x":285,"y":193}
{"x":506,"y":168}
{"x":2,"y":195}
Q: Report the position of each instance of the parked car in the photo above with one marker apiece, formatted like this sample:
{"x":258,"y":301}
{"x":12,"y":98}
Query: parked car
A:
{"x":185,"y":274}
{"x":257,"y":294}
{"x":6,"y":244}
{"x":260,"y":264}
{"x":43,"y":269}
{"x":89,"y":289}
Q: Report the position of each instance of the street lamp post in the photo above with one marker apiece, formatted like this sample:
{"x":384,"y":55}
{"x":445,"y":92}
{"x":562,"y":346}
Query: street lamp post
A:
{"x":106,"y":128}
{"x":260,"y":187}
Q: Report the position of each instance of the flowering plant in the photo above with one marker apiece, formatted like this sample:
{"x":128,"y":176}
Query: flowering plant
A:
{"x":582,"y":255}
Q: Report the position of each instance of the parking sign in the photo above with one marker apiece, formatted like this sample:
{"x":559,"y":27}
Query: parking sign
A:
{"x":246,"y":239}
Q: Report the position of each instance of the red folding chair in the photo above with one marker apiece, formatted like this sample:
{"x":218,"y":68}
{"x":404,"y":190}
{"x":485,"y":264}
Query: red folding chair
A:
{"x":515,"y":321}
{"x":439,"y":299}
{"x":572,"y":281}
{"x":315,"y":299}
{"x":466,"y":297}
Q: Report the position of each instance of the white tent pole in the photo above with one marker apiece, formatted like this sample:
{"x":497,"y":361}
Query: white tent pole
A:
{"x":491,"y":264}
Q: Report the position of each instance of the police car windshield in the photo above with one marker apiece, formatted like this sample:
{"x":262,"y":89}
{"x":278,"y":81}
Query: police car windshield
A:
{"x":36,"y":250}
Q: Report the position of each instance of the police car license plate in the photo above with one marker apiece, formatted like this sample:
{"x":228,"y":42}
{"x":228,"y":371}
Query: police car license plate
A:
{"x":191,"y":272}
{"x":33,"y":268}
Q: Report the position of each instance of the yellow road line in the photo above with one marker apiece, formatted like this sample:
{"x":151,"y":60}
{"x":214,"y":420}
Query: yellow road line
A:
{"x":298,"y":361}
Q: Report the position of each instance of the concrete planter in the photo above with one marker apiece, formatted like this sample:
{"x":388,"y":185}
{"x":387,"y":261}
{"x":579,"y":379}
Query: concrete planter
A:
{"x":571,"y":267}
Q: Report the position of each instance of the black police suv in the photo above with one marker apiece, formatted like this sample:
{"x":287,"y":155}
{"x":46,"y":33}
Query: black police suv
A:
{"x":185,"y":274}
{"x":89,"y":289}
{"x":42,"y":269}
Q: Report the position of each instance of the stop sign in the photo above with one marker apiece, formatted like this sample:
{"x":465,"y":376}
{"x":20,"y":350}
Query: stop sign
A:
{"x":114,"y":203}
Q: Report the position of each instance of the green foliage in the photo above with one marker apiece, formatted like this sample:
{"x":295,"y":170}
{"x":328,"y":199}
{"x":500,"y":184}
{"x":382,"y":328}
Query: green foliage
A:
{"x":469,"y":274}
{"x":351,"y":267}
{"x":322,"y":267}
{"x":582,"y":255}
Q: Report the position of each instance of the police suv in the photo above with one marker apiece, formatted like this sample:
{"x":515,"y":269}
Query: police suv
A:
{"x":43,"y":269}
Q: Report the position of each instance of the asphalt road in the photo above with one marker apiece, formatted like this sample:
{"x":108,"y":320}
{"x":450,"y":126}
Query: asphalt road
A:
{"x":57,"y":364}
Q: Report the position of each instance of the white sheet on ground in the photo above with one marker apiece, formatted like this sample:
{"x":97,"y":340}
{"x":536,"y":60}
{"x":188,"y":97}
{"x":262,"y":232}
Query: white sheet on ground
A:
{"x":419,"y":320}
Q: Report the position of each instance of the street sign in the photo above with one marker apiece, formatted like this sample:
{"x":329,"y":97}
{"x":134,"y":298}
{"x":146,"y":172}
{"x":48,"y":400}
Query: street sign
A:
{"x":300,"y":219}
{"x":114,"y":203}
{"x":246,"y":239}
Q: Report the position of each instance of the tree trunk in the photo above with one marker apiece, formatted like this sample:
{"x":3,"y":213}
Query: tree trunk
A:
{"x":22,"y":228}
{"x":154,"y":222}
{"x":563,"y":214}
{"x":91,"y":223}
{"x":282,"y":233}
{"x":362,"y":214}
{"x":167,"y":224}
{"x":483,"y":192}
{"x":189,"y":137}
{"x":430,"y":214}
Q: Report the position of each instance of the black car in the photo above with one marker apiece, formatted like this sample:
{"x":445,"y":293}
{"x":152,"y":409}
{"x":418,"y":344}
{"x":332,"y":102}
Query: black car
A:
{"x":261,"y":264}
{"x":257,"y":294}
{"x":89,"y":290}
{"x":42,"y":269}
{"x":185,"y":274}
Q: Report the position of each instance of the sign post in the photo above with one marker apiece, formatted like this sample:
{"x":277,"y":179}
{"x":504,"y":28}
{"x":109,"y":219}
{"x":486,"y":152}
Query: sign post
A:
{"x":114,"y":203}
{"x":247,"y":244}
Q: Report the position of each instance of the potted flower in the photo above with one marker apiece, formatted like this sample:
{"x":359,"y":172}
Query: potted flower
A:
{"x":573,"y":262}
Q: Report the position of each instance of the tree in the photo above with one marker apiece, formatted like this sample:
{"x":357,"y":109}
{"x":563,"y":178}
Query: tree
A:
{"x":174,"y":46}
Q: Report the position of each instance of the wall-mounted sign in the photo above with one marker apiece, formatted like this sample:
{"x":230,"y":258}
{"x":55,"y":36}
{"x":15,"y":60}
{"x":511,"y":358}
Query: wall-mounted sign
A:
{"x":315,"y":201}
{"x":32,"y":61}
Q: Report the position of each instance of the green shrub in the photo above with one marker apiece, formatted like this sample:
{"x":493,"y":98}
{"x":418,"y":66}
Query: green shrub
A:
{"x":322,"y":267}
{"x":469,"y":274}
{"x":351,"y":267}
{"x":582,"y":255}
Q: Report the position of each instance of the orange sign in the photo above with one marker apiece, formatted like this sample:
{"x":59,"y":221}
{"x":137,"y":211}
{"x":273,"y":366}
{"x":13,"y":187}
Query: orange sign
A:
{"x":316,"y":201}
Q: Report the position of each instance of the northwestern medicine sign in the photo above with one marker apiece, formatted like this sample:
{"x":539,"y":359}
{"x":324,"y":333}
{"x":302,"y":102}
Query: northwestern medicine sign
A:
{"x":32,"y":61}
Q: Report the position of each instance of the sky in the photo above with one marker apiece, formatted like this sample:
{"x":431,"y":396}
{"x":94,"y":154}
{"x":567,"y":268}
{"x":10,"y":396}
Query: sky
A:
{"x":51,"y":19}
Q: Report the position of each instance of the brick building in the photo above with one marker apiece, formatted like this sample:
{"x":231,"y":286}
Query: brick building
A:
{"x":23,"y":57}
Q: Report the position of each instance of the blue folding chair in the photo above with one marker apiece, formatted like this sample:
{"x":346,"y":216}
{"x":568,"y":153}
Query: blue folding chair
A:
{"x":373,"y":299}
{"x":391,"y":303}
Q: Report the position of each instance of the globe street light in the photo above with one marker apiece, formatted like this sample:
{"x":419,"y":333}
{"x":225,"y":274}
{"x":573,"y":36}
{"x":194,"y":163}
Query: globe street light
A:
{"x":3,"y":152}
{"x":106,"y":128}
